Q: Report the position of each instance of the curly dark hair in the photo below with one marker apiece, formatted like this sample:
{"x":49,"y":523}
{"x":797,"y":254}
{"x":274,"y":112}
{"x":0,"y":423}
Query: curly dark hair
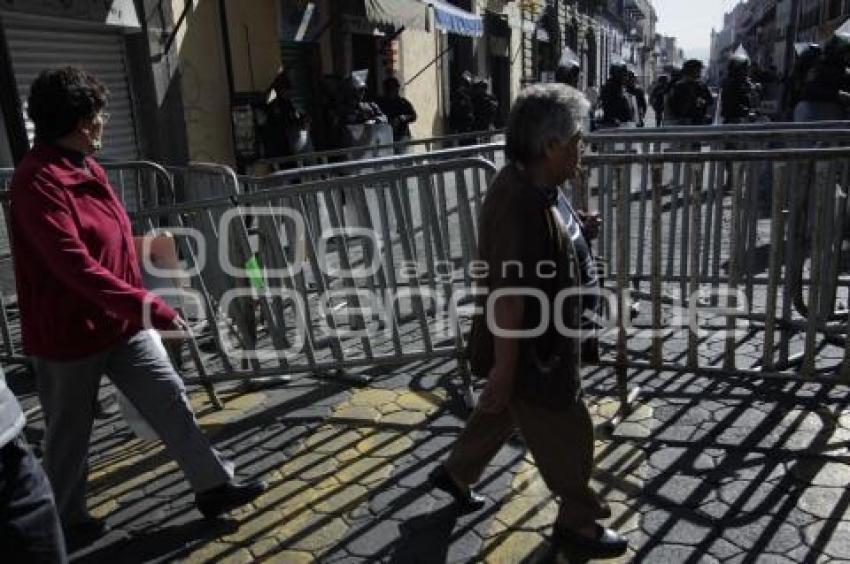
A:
{"x":60,"y":98}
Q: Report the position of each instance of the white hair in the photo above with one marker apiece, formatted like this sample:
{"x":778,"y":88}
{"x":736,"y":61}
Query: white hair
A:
{"x":540,"y":114}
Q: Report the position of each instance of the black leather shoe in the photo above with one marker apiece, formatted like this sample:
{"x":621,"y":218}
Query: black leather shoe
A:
{"x":212,"y":503}
{"x":606,"y":543}
{"x":468,"y":499}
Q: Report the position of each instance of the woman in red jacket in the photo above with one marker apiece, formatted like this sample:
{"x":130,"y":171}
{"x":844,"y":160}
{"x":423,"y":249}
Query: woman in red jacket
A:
{"x":84,"y":310}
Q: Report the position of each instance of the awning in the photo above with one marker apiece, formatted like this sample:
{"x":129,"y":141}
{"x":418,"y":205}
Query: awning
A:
{"x":398,"y":13}
{"x":452,"y":19}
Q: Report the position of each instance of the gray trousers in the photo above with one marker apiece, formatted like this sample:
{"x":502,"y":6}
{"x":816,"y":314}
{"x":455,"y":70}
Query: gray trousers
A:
{"x":142,"y":372}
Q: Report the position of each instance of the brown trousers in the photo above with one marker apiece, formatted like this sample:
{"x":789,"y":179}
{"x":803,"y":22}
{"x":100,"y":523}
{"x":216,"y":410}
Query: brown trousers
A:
{"x":561,"y":443}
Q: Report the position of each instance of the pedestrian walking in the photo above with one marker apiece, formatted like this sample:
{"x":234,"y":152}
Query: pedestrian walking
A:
{"x":84,"y":311}
{"x":533,"y":242}
{"x":398,"y":109}
{"x":29,"y":524}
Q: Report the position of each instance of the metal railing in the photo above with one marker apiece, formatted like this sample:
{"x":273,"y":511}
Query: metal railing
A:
{"x":734,"y":263}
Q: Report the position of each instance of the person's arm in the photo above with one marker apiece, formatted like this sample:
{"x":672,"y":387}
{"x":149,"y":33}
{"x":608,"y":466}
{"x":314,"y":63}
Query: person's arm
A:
{"x":43,"y":218}
{"x":509,"y":311}
{"x":410,"y":112}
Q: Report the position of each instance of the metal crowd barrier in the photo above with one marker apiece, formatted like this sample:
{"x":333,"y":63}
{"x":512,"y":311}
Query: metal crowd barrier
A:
{"x":733,"y":267}
{"x":492,"y":152}
{"x":342,"y":274}
{"x":367,"y":152}
{"x":10,"y":338}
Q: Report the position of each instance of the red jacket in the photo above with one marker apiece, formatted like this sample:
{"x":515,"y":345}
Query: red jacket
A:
{"x":79,"y":284}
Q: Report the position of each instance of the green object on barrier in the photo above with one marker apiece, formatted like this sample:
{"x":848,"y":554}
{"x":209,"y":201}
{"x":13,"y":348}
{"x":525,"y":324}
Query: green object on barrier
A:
{"x":255,"y":273}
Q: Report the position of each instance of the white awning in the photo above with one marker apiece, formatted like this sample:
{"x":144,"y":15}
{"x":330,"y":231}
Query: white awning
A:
{"x":398,"y":13}
{"x":452,"y":19}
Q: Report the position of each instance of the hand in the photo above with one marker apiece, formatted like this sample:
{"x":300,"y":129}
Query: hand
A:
{"x":591,"y":222}
{"x":497,"y":392}
{"x":180,"y":325}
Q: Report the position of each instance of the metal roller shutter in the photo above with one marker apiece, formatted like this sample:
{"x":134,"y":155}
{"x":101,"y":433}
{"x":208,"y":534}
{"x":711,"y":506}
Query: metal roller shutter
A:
{"x":100,"y":51}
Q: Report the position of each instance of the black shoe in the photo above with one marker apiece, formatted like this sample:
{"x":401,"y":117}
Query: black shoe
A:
{"x":212,"y":503}
{"x":468,"y":499}
{"x":606,"y":543}
{"x":85,"y":532}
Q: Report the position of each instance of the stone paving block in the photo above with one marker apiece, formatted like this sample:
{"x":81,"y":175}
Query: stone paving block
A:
{"x":356,"y":413}
{"x":384,"y":444}
{"x":830,"y":537}
{"x":674,"y":554}
{"x":332,"y":439}
{"x":518,"y":546}
{"x":825,"y":474}
{"x":366,"y":471}
{"x":341,"y":499}
{"x":681,"y":490}
{"x":764,"y":535}
{"x":372,"y":397}
{"x":373,"y":538}
{"x":401,"y":417}
{"x":751,"y":496}
{"x":427,"y":402}
{"x":321,"y":535}
{"x":285,"y":494}
{"x":822,"y":502}
{"x":211,"y":552}
{"x":257,"y":525}
{"x":675,"y":527}
{"x":723,"y":549}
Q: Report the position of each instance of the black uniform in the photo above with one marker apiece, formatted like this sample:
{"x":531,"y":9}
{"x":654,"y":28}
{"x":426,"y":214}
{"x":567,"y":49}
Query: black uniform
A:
{"x":484,"y":110}
{"x":689,"y":101}
{"x":616,"y":107}
{"x":400,"y":113}
{"x":461,"y":118}
{"x":283,"y":122}
{"x":640,"y":99}
{"x":736,"y":99}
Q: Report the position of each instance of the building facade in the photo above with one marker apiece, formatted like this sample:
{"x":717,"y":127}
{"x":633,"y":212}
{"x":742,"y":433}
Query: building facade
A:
{"x":186,"y":76}
{"x":768,"y":30}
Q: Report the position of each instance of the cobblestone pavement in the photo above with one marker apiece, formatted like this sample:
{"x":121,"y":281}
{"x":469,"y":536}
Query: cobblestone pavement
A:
{"x":702,"y":471}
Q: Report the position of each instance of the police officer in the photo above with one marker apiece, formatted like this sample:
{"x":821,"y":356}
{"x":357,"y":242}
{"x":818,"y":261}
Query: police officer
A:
{"x":657,"y":97}
{"x":398,"y":109}
{"x":806,"y":55}
{"x":639,"y":96}
{"x":461,"y":118}
{"x":484,"y":106}
{"x":689,"y":98}
{"x":737,"y":91}
{"x":569,"y":73}
{"x":826,"y":88}
{"x":616,"y":107}
{"x":356,"y":109}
